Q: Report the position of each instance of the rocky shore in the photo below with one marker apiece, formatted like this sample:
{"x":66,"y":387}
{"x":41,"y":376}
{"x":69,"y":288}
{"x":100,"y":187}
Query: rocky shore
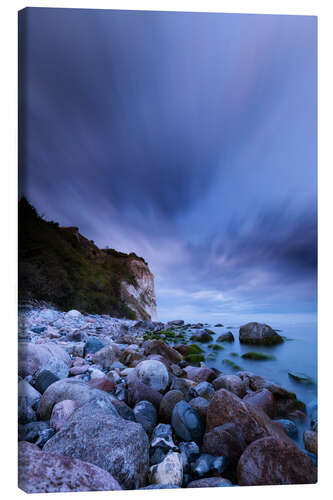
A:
{"x":110,"y":404}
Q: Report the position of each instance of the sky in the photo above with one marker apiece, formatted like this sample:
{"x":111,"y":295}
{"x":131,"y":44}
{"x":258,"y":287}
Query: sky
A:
{"x":187,"y":138}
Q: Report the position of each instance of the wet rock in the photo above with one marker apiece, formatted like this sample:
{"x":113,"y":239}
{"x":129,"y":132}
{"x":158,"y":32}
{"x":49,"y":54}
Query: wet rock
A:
{"x":145,"y":414}
{"x":68,"y":389}
{"x":189,"y":452}
{"x":313,"y":414}
{"x":262,"y":399}
{"x":142,"y":392}
{"x":175,"y":322}
{"x":205,"y":390}
{"x":272,"y":461}
{"x":152,"y":373}
{"x":226,"y":337}
{"x":186,"y":422}
{"x":209,"y":482}
{"x":200,"y":374}
{"x":311,"y":441}
{"x":97,"y":436}
{"x":203,"y":337}
{"x":289,"y":426}
{"x":61,"y":413}
{"x":258,"y":333}
{"x":93,"y":345}
{"x":302,"y":378}
{"x":48,"y":356}
{"x":159,"y":347}
{"x":169,"y":471}
{"x":231,"y":383}
{"x":208,"y":464}
{"x":161,"y":443}
{"x":167,"y":404}
{"x":200,"y":405}
{"x":225,"y":440}
{"x":41,"y":472}
{"x":185,"y":386}
{"x":43,"y":379}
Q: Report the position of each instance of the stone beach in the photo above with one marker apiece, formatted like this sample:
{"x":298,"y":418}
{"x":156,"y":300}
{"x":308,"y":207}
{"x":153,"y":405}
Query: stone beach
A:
{"x":109,"y":404}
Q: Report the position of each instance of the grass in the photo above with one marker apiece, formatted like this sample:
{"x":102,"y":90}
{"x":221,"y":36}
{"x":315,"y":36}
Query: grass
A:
{"x":257,"y":356}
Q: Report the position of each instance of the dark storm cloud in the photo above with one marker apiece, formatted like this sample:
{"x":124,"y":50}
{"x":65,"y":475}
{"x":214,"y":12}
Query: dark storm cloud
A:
{"x":187,"y":138}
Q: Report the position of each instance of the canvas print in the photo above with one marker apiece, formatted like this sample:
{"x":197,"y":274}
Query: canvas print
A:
{"x":167,"y":333}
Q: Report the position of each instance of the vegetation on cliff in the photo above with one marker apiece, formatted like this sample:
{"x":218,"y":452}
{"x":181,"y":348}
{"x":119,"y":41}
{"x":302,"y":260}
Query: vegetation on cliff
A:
{"x":59,"y":266}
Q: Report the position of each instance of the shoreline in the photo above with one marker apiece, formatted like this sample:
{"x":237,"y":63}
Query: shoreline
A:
{"x":149,"y":377}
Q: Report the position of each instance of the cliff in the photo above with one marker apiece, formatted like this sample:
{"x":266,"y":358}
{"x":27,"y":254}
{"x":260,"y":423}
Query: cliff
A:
{"x":60,"y":266}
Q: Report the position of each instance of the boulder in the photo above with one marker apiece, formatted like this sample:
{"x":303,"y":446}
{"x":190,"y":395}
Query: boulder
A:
{"x":226,"y":337}
{"x":186,"y":422}
{"x":203,"y":337}
{"x":262,"y":399}
{"x":42,"y":379}
{"x":94,"y":434}
{"x":310,"y":439}
{"x":152,"y":373}
{"x":225,"y":440}
{"x":200,"y":374}
{"x":48,"y":356}
{"x":209,"y":482}
{"x":205,"y":390}
{"x":232,"y":383}
{"x":145,"y":414}
{"x":226,"y":407}
{"x":93,"y":345}
{"x":106,"y":356}
{"x":159,"y":347}
{"x":61,"y":413}
{"x":186,"y":386}
{"x":104,"y":384}
{"x":28,"y":398}
{"x":142,"y":392}
{"x":78,"y":370}
{"x":169,"y":471}
{"x":167,"y":404}
{"x":161,"y":443}
{"x":42,"y":472}
{"x":269,"y":461}
{"x":258,"y":333}
{"x":200,"y":405}
{"x":68,"y":389}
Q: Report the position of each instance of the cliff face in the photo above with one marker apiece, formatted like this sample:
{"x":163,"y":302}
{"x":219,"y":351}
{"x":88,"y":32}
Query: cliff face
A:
{"x":60,"y":266}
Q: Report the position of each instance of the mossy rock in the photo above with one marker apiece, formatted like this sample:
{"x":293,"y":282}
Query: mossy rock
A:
{"x":257,"y":356}
{"x":215,"y":347}
{"x":232,"y":364}
{"x":234,"y":354}
{"x":300,"y":377}
{"x":195,"y":358}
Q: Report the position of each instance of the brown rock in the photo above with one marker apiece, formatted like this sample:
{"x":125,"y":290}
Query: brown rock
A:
{"x":263,"y":400}
{"x":272,"y":461}
{"x":142,"y":392}
{"x":225,"y":440}
{"x":199,"y":374}
{"x":159,"y":347}
{"x":226,"y":407}
{"x":310,"y":439}
{"x":106,"y":356}
{"x":167,"y":404}
{"x":43,"y":472}
{"x":78,"y":370}
{"x":104,"y":384}
{"x":232,"y":383}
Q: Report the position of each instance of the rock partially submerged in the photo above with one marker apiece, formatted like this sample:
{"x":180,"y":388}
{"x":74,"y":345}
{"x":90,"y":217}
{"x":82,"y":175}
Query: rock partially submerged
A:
{"x":258,"y":333}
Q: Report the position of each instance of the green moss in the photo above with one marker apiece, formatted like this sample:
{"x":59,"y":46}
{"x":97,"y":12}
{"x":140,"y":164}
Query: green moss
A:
{"x":194,"y":358}
{"x":257,"y":356}
{"x":231,"y":364}
{"x":215,"y":347}
{"x":234,"y":354}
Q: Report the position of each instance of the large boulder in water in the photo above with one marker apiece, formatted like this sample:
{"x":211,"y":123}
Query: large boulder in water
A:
{"x":272,"y":461}
{"x":68,"y":389}
{"x":42,"y":472}
{"x":258,"y":333}
{"x":34,"y":357}
{"x":95,"y":435}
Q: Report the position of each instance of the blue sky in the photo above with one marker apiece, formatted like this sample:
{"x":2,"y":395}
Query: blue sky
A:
{"x":189,"y":139}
